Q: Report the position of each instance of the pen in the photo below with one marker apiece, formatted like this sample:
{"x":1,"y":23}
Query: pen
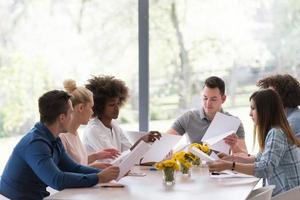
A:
{"x":152,"y":169}
{"x":148,"y":168}
{"x":217,"y":173}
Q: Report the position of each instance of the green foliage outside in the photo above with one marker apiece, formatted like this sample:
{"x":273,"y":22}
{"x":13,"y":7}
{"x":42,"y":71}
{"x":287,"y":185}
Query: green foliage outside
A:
{"x":21,"y":85}
{"x":44,"y":42}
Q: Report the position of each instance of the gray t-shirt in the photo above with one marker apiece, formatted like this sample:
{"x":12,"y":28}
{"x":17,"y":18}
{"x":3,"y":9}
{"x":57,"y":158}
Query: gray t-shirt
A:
{"x":195,"y":124}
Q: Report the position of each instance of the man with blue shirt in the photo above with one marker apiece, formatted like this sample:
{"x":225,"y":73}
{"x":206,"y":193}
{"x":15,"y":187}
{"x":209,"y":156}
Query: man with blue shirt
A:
{"x":39,"y":159}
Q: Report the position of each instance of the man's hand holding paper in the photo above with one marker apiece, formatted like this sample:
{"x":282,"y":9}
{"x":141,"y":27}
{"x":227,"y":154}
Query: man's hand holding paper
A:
{"x":222,"y":126}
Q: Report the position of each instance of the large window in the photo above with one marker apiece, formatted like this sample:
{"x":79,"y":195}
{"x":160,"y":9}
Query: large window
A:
{"x":44,"y":42}
{"x":240,"y":41}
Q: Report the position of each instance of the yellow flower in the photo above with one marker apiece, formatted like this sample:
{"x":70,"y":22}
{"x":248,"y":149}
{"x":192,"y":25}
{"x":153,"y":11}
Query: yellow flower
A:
{"x":205,"y":149}
{"x":201,"y":147}
{"x":167,"y":164}
{"x":184,"y":158}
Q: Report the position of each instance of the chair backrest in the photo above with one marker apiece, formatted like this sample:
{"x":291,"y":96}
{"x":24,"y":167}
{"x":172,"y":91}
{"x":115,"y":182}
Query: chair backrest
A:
{"x":134,"y":136}
{"x":263,"y":193}
{"x":292,"y":194}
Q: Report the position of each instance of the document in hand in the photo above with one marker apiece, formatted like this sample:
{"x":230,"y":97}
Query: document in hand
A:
{"x":221,"y":126}
{"x":133,"y":157}
{"x":160,"y":148}
{"x":120,"y":158}
{"x":201,"y":154}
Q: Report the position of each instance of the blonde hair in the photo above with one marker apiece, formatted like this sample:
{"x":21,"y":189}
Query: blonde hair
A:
{"x":78,"y":94}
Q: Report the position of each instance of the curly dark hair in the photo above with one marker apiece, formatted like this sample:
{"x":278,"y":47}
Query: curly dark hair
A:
{"x":105,"y":88}
{"x":287,"y":87}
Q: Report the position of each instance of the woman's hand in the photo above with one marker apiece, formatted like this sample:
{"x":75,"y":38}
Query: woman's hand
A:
{"x":151,"y":136}
{"x":219,"y":165}
{"x":107,"y":154}
{"x":224,"y":156}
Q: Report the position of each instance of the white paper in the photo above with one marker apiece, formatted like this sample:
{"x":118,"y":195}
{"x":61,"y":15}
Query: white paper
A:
{"x":133,"y":157}
{"x":160,"y":148}
{"x":181,"y":147}
{"x":214,"y":155}
{"x":201,"y":154}
{"x":214,"y":140}
{"x":220,"y":125}
{"x":120,"y":158}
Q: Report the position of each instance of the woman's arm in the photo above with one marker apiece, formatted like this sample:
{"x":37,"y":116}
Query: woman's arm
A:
{"x":221,"y":165}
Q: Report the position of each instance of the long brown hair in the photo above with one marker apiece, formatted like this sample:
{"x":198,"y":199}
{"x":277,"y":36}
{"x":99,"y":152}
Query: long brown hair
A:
{"x":270,"y":114}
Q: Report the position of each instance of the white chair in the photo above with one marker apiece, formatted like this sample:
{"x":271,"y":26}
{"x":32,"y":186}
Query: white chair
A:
{"x":134,"y":136}
{"x":292,"y":194}
{"x":263,"y":193}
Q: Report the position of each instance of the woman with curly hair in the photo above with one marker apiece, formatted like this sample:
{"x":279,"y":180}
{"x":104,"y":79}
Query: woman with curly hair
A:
{"x":288,"y":89}
{"x":102,"y":130}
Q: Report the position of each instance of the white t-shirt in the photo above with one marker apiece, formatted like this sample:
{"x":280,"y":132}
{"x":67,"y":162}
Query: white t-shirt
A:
{"x":97,"y":137}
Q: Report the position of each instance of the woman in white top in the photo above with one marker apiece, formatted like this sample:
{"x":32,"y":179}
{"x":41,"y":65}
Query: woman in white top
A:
{"x":82,"y":100}
{"x":102,"y":130}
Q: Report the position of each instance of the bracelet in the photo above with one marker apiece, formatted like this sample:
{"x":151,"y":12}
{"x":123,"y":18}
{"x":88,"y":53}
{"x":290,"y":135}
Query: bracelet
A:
{"x":233,"y":166}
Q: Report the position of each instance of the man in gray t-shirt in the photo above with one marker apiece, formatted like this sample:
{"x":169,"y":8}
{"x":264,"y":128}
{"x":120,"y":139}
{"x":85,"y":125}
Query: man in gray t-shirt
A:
{"x":196,"y":122}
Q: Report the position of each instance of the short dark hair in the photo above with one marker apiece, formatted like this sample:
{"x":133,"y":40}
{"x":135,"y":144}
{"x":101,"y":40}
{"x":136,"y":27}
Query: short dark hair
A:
{"x":215,"y":82}
{"x":287,"y":87}
{"x":105,"y":88}
{"x":52,"y":104}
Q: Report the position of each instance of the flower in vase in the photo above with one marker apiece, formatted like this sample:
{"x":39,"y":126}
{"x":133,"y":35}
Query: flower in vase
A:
{"x":185,"y":159}
{"x":168,"y":168}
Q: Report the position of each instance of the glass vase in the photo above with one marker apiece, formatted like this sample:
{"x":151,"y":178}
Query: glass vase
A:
{"x":197,"y":162}
{"x":186,"y":172}
{"x":168,"y":176}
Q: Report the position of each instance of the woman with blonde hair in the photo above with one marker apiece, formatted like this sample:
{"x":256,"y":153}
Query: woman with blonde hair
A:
{"x":82,"y":100}
{"x":278,"y":160}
